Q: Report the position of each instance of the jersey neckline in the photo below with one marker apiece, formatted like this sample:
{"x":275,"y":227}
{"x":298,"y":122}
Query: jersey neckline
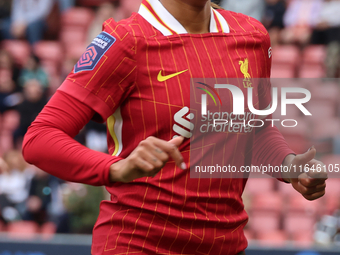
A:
{"x":160,"y":18}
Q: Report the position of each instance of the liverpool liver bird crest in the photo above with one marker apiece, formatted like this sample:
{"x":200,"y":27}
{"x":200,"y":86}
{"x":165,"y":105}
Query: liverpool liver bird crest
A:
{"x":244,"y":69}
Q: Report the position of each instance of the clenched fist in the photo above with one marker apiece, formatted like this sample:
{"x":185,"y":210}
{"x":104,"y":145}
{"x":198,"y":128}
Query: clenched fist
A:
{"x":311,"y":183}
{"x":147,"y":159}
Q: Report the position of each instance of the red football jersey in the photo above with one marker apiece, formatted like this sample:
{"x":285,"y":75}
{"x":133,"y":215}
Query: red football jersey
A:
{"x":136,"y":76}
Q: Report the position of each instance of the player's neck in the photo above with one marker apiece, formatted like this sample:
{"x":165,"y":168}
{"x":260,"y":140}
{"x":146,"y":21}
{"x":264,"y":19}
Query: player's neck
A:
{"x":194,"y":15}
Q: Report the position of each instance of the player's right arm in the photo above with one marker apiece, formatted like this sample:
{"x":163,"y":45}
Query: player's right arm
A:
{"x":99,"y":83}
{"x":49,"y":144}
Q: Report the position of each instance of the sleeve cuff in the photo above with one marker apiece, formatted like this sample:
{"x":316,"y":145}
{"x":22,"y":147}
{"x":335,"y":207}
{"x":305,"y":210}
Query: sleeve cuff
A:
{"x":106,"y":172}
{"x":283,"y":156}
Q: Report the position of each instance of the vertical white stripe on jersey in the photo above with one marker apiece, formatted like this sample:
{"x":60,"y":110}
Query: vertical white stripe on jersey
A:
{"x":118,"y":129}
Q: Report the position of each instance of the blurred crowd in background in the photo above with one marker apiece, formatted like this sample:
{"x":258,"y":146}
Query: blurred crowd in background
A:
{"x":40,"y":42}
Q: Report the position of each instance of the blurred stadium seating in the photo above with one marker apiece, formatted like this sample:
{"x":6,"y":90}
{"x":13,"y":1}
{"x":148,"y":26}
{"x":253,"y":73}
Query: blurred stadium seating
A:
{"x":23,"y":229}
{"x":20,"y":50}
{"x":277,"y":212}
{"x":272,"y":238}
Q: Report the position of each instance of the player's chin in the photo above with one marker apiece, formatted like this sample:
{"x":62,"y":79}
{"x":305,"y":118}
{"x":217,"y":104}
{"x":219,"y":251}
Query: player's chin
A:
{"x":315,"y":196}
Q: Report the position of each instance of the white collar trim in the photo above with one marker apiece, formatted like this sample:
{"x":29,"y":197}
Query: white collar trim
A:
{"x":170,"y":21}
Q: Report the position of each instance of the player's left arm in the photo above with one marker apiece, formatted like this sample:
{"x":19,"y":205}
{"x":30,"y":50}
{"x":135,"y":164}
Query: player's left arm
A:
{"x":271,"y":148}
{"x":306,"y":174}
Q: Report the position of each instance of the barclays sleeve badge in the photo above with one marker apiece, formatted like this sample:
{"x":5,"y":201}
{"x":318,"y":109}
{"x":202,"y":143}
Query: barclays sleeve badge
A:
{"x":94,"y":52}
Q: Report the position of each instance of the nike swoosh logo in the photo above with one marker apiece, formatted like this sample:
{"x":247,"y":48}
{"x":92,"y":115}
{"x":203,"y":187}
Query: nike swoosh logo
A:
{"x":162,"y":78}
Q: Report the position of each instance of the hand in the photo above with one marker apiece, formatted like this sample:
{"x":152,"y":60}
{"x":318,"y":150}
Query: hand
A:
{"x":34,"y":204}
{"x":3,"y":166}
{"x":323,"y":25}
{"x":18,"y":30}
{"x":147,"y":159}
{"x":312,"y":183}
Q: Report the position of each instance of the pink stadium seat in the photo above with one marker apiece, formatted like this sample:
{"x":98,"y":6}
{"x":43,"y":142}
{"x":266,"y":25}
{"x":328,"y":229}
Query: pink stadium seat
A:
{"x":79,"y":17}
{"x":291,"y":82}
{"x":249,"y":234}
{"x":76,"y":35}
{"x":298,"y":204}
{"x":267,"y":201}
{"x":296,"y":222}
{"x":22,"y":229}
{"x":282,"y":71}
{"x":325,"y":128}
{"x":91,"y":3}
{"x":303,"y":239}
{"x":321,"y":110}
{"x":48,"y":230}
{"x":20,"y":50}
{"x":49,"y":51}
{"x":332,"y":202}
{"x":265,"y":212}
{"x":312,"y":71}
{"x":259,"y":185}
{"x":325,"y":91}
{"x":264,"y":221}
{"x":129,"y":6}
{"x":6,"y":141}
{"x":314,"y":55}
{"x":10,"y":120}
{"x":286,"y":190}
{"x":75,"y":52}
{"x":286,"y":55}
{"x":272,"y":238}
{"x":323,"y":210}
{"x":333,"y":185}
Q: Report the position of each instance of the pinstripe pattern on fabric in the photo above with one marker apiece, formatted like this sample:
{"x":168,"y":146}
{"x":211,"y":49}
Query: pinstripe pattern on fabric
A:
{"x":172,"y":213}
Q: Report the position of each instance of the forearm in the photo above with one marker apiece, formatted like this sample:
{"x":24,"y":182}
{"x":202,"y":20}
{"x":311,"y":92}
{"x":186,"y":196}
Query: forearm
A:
{"x":49,"y":145}
{"x":270,"y":148}
{"x":58,"y":154}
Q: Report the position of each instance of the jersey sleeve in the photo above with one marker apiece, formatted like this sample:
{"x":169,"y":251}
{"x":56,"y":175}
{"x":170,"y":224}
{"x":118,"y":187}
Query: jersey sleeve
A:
{"x":265,"y":84}
{"x":106,"y":72}
{"x":49,"y":143}
{"x":265,"y":97}
{"x":270,"y":147}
